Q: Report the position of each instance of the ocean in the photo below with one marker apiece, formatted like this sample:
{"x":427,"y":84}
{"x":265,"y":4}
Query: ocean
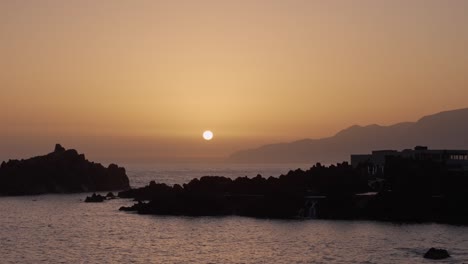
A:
{"x":64,"y":229}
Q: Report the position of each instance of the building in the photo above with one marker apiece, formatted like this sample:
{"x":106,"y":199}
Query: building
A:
{"x":454,"y":159}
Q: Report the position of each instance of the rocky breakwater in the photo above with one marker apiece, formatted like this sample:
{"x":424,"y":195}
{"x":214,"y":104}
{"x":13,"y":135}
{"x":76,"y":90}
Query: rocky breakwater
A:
{"x":62,"y":171}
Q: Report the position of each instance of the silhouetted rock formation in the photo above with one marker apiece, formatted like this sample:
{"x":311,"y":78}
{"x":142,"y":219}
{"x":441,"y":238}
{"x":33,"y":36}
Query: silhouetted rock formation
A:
{"x":59,"y":148}
{"x":446,"y":130}
{"x":435,"y":253}
{"x":62,"y":171}
{"x":281,"y":197}
{"x":421,"y":190}
{"x":412,"y":191}
{"x":136,"y":207}
{"x":95,"y":198}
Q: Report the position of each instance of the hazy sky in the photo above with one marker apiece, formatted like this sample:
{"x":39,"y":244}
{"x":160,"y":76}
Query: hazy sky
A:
{"x":141,"y":80}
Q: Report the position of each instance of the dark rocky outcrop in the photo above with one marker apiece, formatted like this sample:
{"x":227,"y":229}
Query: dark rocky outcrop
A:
{"x":62,"y":171}
{"x":95,"y":198}
{"x":136,"y":207}
{"x":271,"y":197}
{"x":98,"y":198}
{"x":421,"y":191}
{"x":436,"y":253}
{"x":412,"y":191}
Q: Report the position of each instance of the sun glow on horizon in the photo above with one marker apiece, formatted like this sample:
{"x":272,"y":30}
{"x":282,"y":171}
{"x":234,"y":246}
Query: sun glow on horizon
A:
{"x":155,"y":75}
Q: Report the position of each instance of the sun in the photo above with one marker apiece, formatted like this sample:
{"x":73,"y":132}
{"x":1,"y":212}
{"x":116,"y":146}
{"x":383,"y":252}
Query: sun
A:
{"x":208,"y":135}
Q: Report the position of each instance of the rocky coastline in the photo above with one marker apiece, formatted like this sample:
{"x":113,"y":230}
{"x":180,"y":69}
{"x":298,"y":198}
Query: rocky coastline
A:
{"x":411,"y":191}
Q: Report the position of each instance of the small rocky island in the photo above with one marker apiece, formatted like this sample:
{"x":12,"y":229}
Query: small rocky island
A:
{"x":62,"y":171}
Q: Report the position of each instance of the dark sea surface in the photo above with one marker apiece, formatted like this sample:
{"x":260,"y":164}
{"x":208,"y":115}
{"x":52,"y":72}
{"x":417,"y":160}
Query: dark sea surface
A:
{"x":64,"y":229}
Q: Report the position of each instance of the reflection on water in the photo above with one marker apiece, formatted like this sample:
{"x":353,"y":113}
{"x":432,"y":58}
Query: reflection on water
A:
{"x":61,"y":228}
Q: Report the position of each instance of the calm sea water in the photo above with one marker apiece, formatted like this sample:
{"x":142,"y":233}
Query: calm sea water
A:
{"x":141,"y":175}
{"x":64,"y":229}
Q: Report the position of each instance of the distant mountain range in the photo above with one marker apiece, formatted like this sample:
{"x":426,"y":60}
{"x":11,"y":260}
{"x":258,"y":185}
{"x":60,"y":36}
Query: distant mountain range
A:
{"x":445,"y":130}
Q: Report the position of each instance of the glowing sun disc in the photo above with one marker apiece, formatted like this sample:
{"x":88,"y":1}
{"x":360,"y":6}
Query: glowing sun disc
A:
{"x":208,"y":135}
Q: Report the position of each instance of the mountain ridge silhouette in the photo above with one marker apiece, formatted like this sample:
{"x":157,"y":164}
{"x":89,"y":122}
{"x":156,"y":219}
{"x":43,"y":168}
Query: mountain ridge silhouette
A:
{"x":443,"y":130}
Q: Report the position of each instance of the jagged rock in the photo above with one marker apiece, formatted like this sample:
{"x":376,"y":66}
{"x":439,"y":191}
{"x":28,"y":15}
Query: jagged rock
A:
{"x":436,"y":253}
{"x":59,"y":148}
{"x":62,"y":171}
{"x":281,"y":197}
{"x":136,"y":207}
{"x":95,"y":198}
{"x":330,"y":192}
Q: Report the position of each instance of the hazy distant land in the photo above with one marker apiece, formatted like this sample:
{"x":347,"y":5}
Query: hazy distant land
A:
{"x":445,"y":130}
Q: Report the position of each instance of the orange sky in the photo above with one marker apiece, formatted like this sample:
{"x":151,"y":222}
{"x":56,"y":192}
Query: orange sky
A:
{"x":141,"y":80}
